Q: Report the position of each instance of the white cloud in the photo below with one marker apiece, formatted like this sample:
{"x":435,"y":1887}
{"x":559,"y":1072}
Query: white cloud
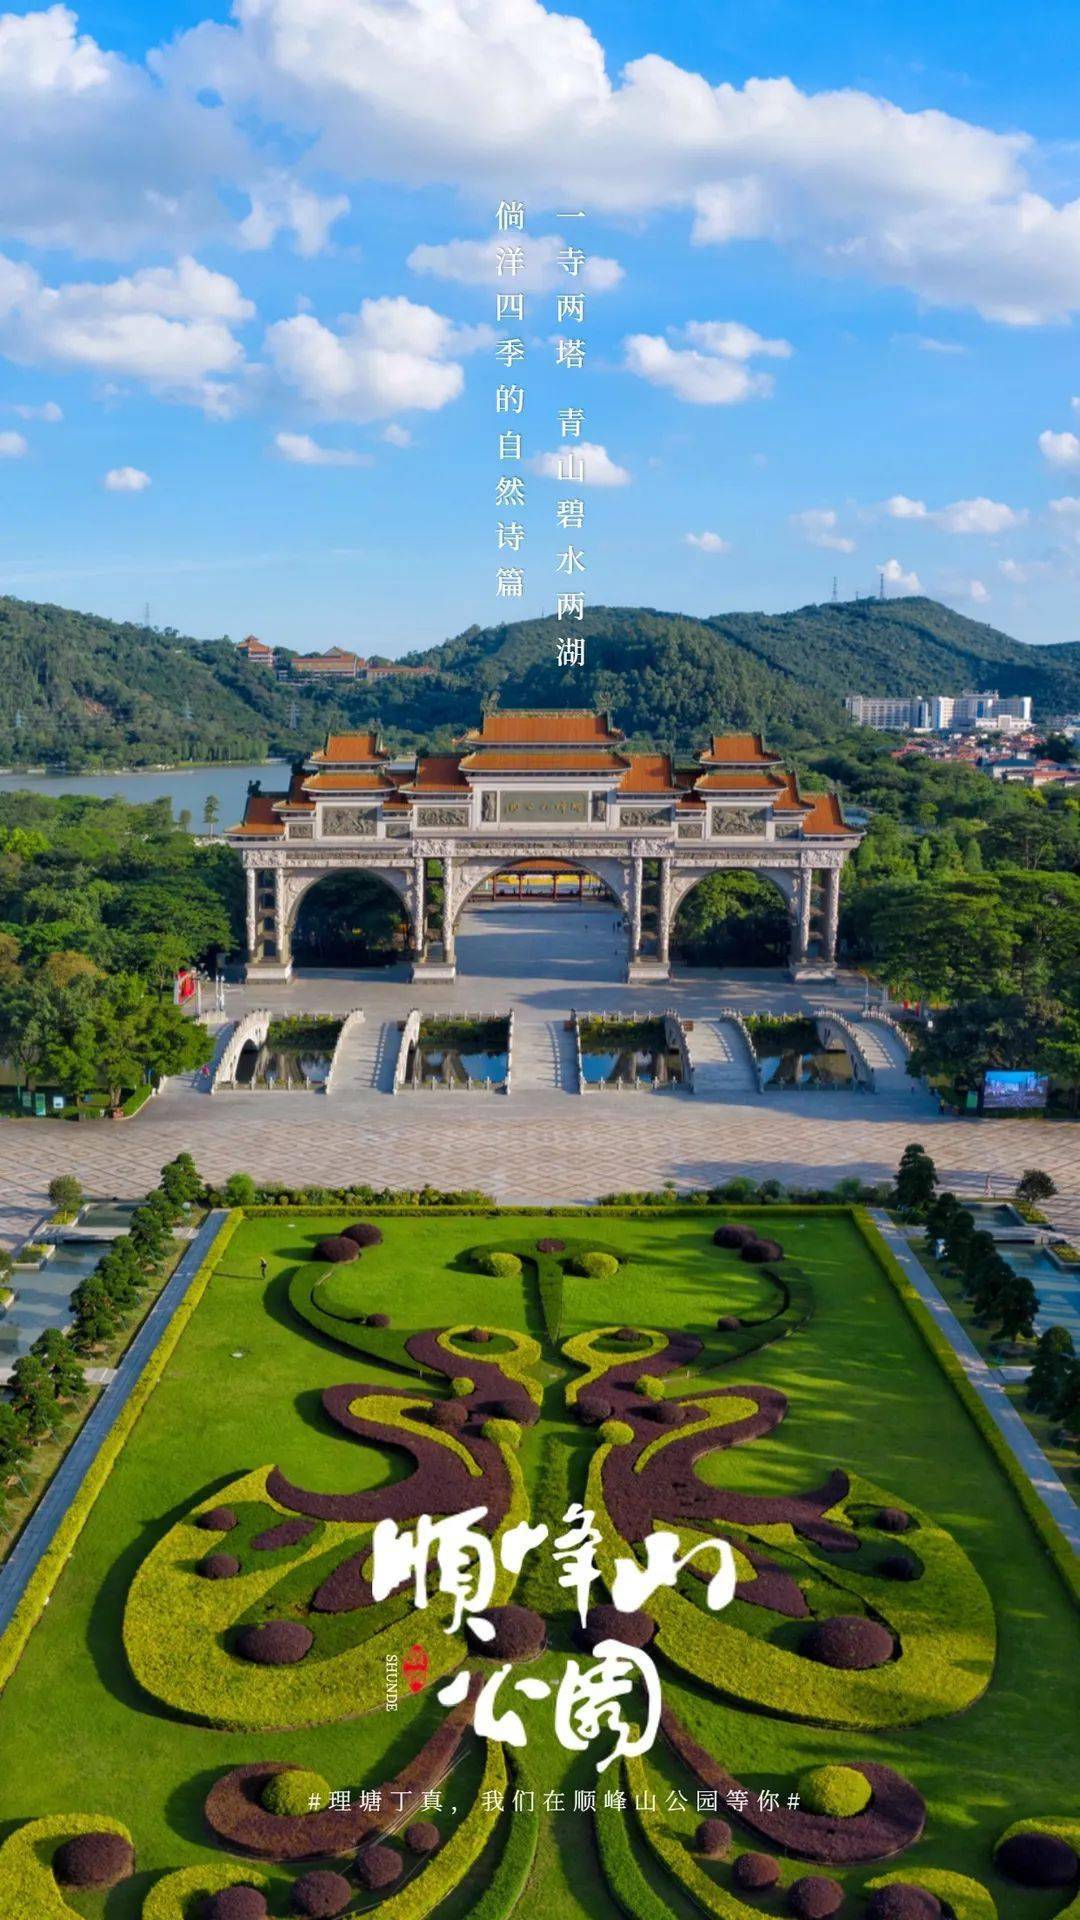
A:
{"x":929,"y":343}
{"x":303,"y":451}
{"x":1019,"y":572}
{"x":389,"y":357}
{"x":708,"y":542}
{"x":960,"y":516}
{"x":463,"y":92}
{"x":12,"y":446}
{"x":819,"y":527}
{"x":397,"y":436}
{"x":894,"y":576}
{"x":168,"y":326}
{"x":1068,"y":506}
{"x":281,"y":204}
{"x":600,"y":469}
{"x":126,"y":480}
{"x":48,"y":411}
{"x":977,"y":592}
{"x":474,"y":263}
{"x":708,"y":364}
{"x":1060,"y":449}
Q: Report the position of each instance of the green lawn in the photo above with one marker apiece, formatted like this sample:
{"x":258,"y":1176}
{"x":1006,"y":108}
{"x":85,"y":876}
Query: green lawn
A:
{"x":242,"y":1391}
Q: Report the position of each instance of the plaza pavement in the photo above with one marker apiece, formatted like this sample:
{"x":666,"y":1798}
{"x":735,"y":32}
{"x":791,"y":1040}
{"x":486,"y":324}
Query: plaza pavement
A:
{"x":532,"y":1146}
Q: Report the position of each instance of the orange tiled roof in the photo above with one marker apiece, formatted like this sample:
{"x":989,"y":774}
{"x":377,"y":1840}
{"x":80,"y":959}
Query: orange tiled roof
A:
{"x":737,"y":749}
{"x":365,"y":781}
{"x":572,"y":760}
{"x":648,"y":773}
{"x":437,"y":772}
{"x":547,"y":727}
{"x":717,"y":781}
{"x":352,"y":748}
{"x":259,"y":816}
{"x":825,"y":815}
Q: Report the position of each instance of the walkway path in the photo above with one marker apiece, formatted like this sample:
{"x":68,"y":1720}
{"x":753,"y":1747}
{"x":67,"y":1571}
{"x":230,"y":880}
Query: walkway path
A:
{"x":722,"y":1069}
{"x":1054,"y":1495}
{"x":40,"y":1529}
{"x":543,"y":1059}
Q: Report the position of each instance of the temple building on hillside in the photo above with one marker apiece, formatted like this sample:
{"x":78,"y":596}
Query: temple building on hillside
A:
{"x":542,"y":792}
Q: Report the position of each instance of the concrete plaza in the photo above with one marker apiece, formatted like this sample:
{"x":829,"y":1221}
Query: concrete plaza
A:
{"x":540,"y":1144}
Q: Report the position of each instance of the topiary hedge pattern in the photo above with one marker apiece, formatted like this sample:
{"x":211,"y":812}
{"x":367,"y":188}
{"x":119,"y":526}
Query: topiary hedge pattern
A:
{"x":840,"y":1791}
{"x":502,"y":1266}
{"x":295,"y":1790}
{"x":595,"y":1265}
{"x":28,"y":1883}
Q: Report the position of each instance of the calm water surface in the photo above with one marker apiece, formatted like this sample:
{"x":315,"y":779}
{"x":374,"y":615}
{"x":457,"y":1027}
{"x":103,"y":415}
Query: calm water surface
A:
{"x":185,"y":787}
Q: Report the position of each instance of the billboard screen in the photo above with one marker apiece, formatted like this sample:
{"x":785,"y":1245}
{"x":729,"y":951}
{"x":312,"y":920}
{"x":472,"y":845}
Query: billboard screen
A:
{"x":1014,"y":1092}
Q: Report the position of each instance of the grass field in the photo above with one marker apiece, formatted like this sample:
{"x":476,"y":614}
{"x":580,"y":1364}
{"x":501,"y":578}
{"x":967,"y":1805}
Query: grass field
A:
{"x":242,"y":1391}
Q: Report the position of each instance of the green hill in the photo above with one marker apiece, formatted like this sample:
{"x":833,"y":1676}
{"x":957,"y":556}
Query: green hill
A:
{"x":82,"y":690}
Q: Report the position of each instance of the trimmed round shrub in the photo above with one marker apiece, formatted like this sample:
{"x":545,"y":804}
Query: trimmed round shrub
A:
{"x":605,"y":1622}
{"x":814,"y":1898}
{"x":713,"y":1837}
{"x":626,"y":1333}
{"x":479,"y":1335}
{"x":502,"y":1266}
{"x":848,"y":1641}
{"x":321,"y":1895}
{"x":378,"y":1866}
{"x":504,"y":1433}
{"x":364,"y":1234}
{"x":650,"y":1386}
{"x":218,"y":1566}
{"x":758,"y":1251}
{"x":902,"y":1901}
{"x":293,"y":1791}
{"x":94,"y":1860}
{"x":753,"y":1872}
{"x":234,"y":1903}
{"x":596,"y":1266}
{"x":378,"y":1319}
{"x":899,"y":1566}
{"x":617,"y":1433}
{"x":1038,"y":1860}
{"x":461,"y":1386}
{"x":449,"y":1415}
{"x":730,"y":1235}
{"x":422,"y":1836}
{"x":551,"y":1246}
{"x":728,"y":1323}
{"x":892,"y":1519}
{"x":520,"y":1634}
{"x":337,"y":1247}
{"x":667,"y":1413}
{"x":217,"y":1520}
{"x":277,"y":1643}
{"x":840,"y":1791}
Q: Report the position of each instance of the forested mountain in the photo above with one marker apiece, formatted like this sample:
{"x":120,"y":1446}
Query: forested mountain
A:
{"x":81,"y":690}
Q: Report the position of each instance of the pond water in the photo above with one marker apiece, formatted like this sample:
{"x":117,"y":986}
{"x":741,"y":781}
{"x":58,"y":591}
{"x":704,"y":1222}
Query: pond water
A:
{"x":447,"y":1064}
{"x":186,"y":788}
{"x":629,"y":1065}
{"x":282,"y":1067}
{"x":1057,"y":1288}
{"x":44,"y":1294}
{"x":825,"y":1067}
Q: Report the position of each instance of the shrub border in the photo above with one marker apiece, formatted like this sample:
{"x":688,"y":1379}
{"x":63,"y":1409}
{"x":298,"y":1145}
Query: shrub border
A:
{"x":42,"y":1581}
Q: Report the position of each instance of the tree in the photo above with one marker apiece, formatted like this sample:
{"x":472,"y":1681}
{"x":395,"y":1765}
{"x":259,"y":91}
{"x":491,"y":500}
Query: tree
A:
{"x":181,"y":1181}
{"x":96,"y":1318}
{"x":958,"y":1232}
{"x":1018,"y":1303}
{"x":978,"y":1252}
{"x":211,"y":811}
{"x":32,"y":1394}
{"x":939,"y":1214}
{"x":1068,"y":1405}
{"x":240,"y":1190}
{"x":916,"y":1179}
{"x":1050,"y":1369}
{"x":993,"y":1280}
{"x":14,"y":1444}
{"x":57,"y":1354}
{"x":1034,"y":1185}
{"x":66,"y":1193}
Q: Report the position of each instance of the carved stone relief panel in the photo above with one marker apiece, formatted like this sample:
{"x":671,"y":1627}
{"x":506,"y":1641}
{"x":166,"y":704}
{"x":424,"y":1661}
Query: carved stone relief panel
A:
{"x":301,"y":830}
{"x":738,"y":820}
{"x":644,"y":816}
{"x":540,"y":805}
{"x":442,"y":816}
{"x":489,"y":806}
{"x":355,"y":822}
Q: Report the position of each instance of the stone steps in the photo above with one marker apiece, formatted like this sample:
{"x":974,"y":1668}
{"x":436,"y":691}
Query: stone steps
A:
{"x":721,"y":1068}
{"x":543,"y":1059}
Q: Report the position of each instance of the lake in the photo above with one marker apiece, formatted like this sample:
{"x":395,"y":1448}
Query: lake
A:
{"x":183,"y":786}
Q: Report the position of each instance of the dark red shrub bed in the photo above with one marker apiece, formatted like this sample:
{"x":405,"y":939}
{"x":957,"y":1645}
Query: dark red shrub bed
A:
{"x":626,"y":1333}
{"x":666,"y":1413}
{"x":217,"y":1520}
{"x":848,"y":1641}
{"x":753,"y":1872}
{"x":450,"y":1416}
{"x":728,"y":1323}
{"x":479,"y":1335}
{"x":899,"y":1566}
{"x":364,"y":1234}
{"x":892,"y":1519}
{"x":713,"y":1837}
{"x":731,"y":1235}
{"x":551,"y":1246}
{"x":94,"y":1860}
{"x":287,"y":1533}
{"x":235,"y":1903}
{"x":902,"y":1901}
{"x":814,"y":1898}
{"x":218,"y":1566}
{"x":277,"y":1643}
{"x":758,"y":1251}
{"x":378,"y":1319}
{"x":610,"y":1623}
{"x":378,"y":1866}
{"x":337,"y":1247}
{"x":422,"y":1836}
{"x":520,"y":1634}
{"x":321,"y":1895}
{"x":1038,"y":1860}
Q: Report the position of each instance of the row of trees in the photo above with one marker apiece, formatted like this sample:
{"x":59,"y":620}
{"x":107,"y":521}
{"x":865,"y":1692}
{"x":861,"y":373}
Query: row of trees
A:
{"x":1053,"y":1384}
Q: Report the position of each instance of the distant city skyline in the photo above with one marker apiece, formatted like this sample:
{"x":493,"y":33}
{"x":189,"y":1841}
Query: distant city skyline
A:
{"x":248,"y":332}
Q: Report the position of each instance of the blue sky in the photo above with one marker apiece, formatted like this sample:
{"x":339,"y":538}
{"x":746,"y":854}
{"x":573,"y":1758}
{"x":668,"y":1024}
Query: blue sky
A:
{"x":834,"y":267}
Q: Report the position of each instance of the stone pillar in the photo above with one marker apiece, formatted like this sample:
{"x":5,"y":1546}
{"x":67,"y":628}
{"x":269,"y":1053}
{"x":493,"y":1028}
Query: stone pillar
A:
{"x":281,"y":929}
{"x":448,"y":912}
{"x":252,"y":880}
{"x":800,"y":906}
{"x":637,"y":866}
{"x":664,"y":933}
{"x":419,"y":907}
{"x":832,"y":912}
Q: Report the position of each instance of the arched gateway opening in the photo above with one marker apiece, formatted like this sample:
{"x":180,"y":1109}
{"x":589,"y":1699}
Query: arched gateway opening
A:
{"x":732,"y":920}
{"x":541,"y":919}
{"x":349,"y":920}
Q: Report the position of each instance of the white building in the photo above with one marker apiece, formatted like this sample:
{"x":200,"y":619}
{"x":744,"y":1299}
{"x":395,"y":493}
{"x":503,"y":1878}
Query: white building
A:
{"x":985,"y":712}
